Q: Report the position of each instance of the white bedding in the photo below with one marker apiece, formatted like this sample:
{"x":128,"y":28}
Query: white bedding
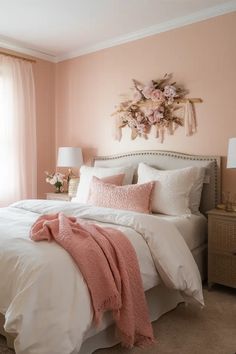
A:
{"x":43,"y":294}
{"x":193,"y":228}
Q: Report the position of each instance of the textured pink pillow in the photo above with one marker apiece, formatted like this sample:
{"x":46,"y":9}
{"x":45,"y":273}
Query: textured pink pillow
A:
{"x":135,"y":197}
{"x":116,"y":180}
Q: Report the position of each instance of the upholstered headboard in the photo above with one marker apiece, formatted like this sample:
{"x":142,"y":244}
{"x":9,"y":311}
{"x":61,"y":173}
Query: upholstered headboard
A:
{"x":168,"y":160}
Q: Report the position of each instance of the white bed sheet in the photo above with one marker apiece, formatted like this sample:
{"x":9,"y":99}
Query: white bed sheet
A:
{"x":32,"y":275}
{"x":193,"y":228}
{"x":194,"y":231}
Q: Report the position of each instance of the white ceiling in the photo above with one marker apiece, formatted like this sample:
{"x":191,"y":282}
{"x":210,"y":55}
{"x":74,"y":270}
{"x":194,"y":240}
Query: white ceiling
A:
{"x":60,"y":29}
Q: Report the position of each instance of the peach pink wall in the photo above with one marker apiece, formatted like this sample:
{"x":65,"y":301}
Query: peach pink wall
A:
{"x":45,"y":112}
{"x":201,"y":56}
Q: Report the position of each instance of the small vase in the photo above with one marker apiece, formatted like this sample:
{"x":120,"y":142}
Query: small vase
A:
{"x":58,"y":187}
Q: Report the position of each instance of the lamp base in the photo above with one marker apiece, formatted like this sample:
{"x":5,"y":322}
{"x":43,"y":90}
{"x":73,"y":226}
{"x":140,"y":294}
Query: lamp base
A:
{"x":229,"y":206}
{"x":73,"y":186}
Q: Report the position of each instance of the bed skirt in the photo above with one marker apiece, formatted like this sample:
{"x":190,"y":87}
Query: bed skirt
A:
{"x":160,"y":301}
{"x":167,"y":300}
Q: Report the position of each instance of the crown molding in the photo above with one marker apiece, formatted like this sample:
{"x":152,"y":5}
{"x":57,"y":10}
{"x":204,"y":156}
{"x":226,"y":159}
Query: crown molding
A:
{"x":145,"y":32}
{"x":27,"y":51}
{"x":149,"y":31}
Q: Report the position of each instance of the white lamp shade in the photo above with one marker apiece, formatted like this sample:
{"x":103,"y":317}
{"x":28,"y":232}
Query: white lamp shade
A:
{"x":231,"y":158}
{"x":69,"y":157}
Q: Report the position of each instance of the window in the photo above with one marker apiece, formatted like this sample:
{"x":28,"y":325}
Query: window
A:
{"x":17,"y":131}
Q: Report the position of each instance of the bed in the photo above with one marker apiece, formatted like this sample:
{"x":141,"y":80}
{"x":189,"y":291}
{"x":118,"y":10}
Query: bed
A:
{"x":160,"y":298}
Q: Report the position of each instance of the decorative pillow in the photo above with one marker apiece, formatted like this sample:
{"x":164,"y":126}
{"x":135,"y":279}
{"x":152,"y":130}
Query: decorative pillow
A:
{"x":172,"y":188}
{"x":134,"y":197}
{"x":117,"y":180}
{"x":196,"y":190}
{"x":87,"y":172}
{"x":114,"y":180}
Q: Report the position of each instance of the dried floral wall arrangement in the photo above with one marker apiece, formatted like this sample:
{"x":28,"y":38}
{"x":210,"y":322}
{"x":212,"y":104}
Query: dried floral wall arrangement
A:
{"x":156,"y":104}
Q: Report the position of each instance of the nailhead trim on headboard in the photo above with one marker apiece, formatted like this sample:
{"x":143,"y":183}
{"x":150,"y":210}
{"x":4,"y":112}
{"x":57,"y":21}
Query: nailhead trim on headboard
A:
{"x":215,"y":159}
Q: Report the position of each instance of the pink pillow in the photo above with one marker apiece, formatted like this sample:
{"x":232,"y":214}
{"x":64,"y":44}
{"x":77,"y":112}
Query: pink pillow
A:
{"x":117,"y":180}
{"x":135,"y":197}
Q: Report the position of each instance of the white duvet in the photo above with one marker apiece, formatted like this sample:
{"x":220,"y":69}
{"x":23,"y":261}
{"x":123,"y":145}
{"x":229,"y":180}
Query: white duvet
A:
{"x":42,"y":293}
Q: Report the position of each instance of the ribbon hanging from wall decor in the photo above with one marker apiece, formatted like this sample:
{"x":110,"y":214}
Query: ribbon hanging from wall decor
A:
{"x":189,"y":119}
{"x":156,"y":104}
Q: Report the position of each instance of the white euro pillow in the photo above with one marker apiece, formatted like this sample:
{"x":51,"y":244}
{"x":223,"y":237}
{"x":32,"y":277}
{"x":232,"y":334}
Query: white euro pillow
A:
{"x":196,"y":190}
{"x":171,"y":193}
{"x":87,"y":173}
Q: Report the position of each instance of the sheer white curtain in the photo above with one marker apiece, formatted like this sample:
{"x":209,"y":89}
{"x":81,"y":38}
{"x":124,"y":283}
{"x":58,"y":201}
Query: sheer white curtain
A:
{"x":18,"y":163}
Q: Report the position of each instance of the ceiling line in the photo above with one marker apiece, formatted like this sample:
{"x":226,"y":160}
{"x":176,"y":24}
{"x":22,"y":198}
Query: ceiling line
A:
{"x":145,"y":32}
{"x":152,"y":30}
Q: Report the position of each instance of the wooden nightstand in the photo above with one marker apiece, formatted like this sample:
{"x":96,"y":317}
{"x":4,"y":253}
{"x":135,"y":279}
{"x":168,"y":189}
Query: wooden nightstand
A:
{"x":221,"y":248}
{"x":58,"y":196}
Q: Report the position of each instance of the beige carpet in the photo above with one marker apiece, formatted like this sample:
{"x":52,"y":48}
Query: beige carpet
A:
{"x":187,"y":330}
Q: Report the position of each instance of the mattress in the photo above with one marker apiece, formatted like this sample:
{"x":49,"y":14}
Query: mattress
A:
{"x":193,"y":228}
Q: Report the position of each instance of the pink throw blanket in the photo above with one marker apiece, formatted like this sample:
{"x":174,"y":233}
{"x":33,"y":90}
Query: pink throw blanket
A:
{"x":110,"y":268}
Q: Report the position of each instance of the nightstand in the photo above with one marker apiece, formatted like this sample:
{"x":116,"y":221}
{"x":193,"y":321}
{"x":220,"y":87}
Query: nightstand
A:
{"x":58,"y":196}
{"x":221,"y":248}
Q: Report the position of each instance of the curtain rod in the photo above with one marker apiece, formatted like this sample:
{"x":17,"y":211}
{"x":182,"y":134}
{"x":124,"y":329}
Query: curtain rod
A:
{"x":17,"y":57}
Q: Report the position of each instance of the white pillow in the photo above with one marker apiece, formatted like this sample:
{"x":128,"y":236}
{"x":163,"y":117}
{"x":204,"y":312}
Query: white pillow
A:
{"x":87,"y":172}
{"x":196,"y":190}
{"x":172,"y":188}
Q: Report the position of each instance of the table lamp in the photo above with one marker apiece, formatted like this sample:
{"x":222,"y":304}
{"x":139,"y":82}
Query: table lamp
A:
{"x":231,"y":163}
{"x":231,"y":158}
{"x":69,"y":157}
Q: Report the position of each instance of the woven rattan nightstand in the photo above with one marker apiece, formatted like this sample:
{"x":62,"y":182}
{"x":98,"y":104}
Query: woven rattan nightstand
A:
{"x":221,"y":248}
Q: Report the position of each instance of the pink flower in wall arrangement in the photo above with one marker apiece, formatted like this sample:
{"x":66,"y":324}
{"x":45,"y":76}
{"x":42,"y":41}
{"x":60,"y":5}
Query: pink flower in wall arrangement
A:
{"x":152,"y":119}
{"x":159,"y":114}
{"x":155,"y":104}
{"x":169,"y":91}
{"x":157,"y":96}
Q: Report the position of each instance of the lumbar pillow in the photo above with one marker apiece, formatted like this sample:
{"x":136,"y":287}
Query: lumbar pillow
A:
{"x":135,"y":197}
{"x":87,"y":173}
{"x":172,"y":188}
